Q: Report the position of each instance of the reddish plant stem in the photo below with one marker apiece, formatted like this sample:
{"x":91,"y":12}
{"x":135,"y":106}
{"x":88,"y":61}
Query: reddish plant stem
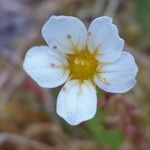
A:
{"x":129,"y":121}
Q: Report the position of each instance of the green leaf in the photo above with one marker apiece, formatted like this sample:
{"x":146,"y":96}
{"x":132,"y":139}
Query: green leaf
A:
{"x":112,"y":138}
{"x":143,"y":11}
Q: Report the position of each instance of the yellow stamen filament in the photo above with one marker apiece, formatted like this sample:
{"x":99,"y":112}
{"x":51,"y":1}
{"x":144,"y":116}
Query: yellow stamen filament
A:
{"x":104,"y":80}
{"x":57,"y":66}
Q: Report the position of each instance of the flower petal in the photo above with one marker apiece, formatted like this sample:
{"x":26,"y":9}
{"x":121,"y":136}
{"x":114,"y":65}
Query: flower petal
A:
{"x":45,"y":66}
{"x":65,"y":32}
{"x":77,"y":102}
{"x":103,"y":36}
{"x":118,"y":77}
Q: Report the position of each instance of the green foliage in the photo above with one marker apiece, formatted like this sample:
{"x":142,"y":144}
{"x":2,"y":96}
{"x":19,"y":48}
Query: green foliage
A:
{"x":143,"y":11}
{"x":112,"y":138}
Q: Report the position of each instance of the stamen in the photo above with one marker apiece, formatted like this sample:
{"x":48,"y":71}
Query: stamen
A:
{"x":74,"y":47}
{"x":69,"y":36}
{"x":52,"y":65}
{"x":82,"y":65}
{"x":103,"y":79}
{"x":82,"y":62}
{"x":54,"y":47}
{"x":76,"y":61}
{"x":89,"y":33}
{"x":64,"y":88}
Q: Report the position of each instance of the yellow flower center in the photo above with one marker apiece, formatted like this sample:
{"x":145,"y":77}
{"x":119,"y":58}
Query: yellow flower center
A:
{"x":82,"y":65}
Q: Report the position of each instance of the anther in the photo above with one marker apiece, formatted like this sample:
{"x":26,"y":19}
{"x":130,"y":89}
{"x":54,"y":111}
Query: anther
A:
{"x":82,"y":63}
{"x":52,"y":65}
{"x":104,"y":80}
{"x":76,"y":61}
{"x":64,"y":88}
{"x":69,"y":36}
{"x":89,"y":33}
{"x":54,"y":47}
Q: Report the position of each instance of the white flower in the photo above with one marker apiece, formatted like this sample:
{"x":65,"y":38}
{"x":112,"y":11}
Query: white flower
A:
{"x":82,"y":59}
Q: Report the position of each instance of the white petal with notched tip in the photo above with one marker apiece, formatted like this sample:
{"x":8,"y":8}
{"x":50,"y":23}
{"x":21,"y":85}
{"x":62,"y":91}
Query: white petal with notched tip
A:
{"x":77,"y":102}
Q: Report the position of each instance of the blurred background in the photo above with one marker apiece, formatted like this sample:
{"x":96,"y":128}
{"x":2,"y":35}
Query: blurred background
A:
{"x":27,"y":112}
